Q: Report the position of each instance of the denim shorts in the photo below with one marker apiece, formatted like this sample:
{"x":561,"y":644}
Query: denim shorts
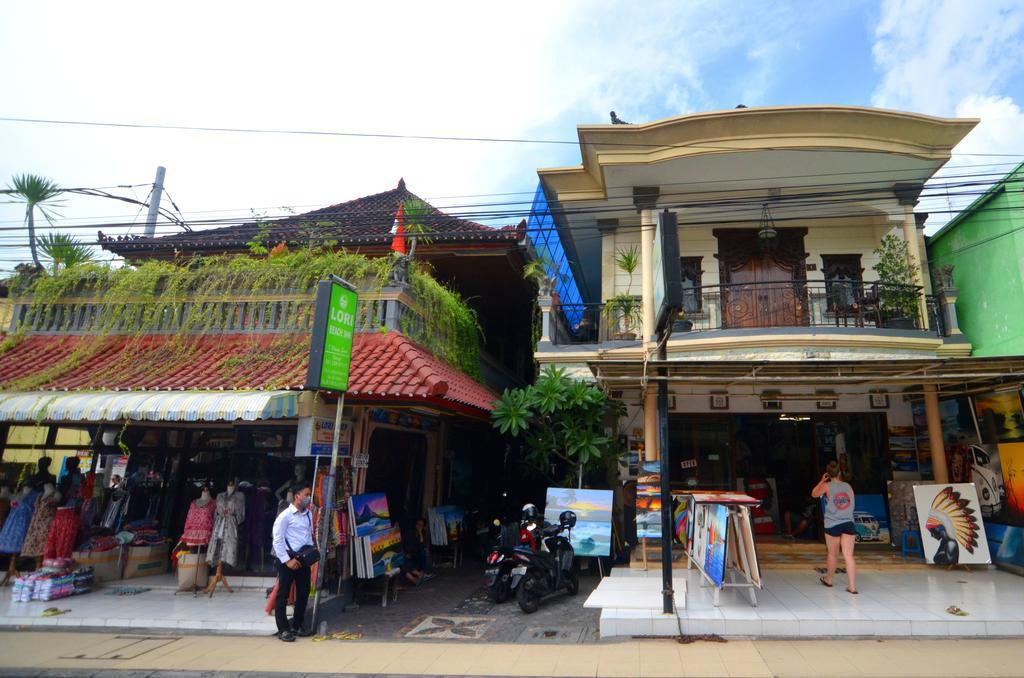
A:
{"x":841,"y":529}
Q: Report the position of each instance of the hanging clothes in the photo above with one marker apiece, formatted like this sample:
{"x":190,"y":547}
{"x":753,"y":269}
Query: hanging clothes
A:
{"x":63,"y":533}
{"x":229,"y":515}
{"x":12,"y":536}
{"x":39,"y":528}
{"x":199,"y":523}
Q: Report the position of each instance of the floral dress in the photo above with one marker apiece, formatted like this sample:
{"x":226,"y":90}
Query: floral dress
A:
{"x":12,"y":536}
{"x":199,"y":523}
{"x":229,"y":515}
{"x":39,"y":528}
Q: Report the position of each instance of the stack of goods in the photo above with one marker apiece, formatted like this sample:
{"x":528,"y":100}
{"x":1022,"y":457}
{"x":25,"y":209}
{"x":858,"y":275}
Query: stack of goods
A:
{"x":21,"y":591}
{"x":83,"y":580}
{"x":53,"y":585}
{"x":446,"y":524}
{"x":377,"y":545}
{"x":100,"y":543}
{"x":143,"y":533}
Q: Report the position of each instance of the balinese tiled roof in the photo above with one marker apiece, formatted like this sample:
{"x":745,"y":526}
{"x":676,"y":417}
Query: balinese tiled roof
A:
{"x":365,"y":221}
{"x":385,"y":367}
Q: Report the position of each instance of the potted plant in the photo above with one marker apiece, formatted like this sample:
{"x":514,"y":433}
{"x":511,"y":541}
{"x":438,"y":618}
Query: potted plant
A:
{"x":898,"y":283}
{"x":625,"y":311}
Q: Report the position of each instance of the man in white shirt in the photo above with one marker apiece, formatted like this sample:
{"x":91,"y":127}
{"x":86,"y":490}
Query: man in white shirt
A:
{"x":293,"y":529}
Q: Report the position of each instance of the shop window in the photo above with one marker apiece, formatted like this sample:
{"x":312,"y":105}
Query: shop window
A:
{"x":78,"y":437}
{"x":27,"y":436}
{"x":843,"y":280}
{"x":691,"y":281}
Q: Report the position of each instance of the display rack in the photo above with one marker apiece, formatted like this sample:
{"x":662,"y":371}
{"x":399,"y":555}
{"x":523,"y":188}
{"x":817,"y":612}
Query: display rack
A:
{"x":742,"y":569}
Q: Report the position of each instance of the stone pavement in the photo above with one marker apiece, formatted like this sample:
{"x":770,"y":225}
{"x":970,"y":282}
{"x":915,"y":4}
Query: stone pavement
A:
{"x":56,"y":653}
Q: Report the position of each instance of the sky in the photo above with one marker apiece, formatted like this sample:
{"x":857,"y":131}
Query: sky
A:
{"x":524,"y":70}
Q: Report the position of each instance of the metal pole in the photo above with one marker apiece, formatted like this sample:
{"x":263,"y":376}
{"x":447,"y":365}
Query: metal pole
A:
{"x":325,"y":525}
{"x":666,"y":491}
{"x":154,"y":202}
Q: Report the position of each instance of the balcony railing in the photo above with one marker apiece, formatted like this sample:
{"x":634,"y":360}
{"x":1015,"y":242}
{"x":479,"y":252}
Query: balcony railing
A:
{"x":764,"y":305}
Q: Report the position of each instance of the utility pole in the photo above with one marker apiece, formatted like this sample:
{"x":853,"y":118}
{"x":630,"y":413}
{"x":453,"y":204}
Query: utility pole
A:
{"x":154,"y":202}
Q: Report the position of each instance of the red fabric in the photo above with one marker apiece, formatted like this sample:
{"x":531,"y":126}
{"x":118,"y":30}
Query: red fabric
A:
{"x":272,"y":598}
{"x":199,"y":524}
{"x":60,"y":542}
{"x":385,"y":367}
{"x":398,"y":231}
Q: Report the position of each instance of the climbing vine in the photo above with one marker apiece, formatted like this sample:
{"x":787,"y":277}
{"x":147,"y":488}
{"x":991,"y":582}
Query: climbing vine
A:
{"x":186,"y":300}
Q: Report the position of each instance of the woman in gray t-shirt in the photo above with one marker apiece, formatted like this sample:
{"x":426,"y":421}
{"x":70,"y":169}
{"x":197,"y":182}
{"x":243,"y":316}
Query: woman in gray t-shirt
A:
{"x":840,"y":532}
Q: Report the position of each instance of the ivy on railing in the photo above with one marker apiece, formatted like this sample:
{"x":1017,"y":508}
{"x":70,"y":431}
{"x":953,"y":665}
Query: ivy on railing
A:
{"x":230,"y":293}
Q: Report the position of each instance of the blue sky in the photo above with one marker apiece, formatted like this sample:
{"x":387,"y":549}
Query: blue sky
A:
{"x":523,"y":70}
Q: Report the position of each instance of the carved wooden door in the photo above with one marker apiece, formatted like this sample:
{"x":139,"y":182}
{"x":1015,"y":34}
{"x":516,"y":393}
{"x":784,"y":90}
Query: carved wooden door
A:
{"x":759,"y":288}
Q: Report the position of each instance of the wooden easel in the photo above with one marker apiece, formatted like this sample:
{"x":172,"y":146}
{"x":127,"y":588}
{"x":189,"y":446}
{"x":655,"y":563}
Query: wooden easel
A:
{"x":219,"y":578}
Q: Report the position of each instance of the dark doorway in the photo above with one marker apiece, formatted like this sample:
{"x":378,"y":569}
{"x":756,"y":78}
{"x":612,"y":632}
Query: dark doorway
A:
{"x":398,"y":468}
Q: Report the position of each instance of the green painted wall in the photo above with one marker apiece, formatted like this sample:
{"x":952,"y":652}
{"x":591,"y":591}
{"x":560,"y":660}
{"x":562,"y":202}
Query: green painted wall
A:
{"x":986,"y":245}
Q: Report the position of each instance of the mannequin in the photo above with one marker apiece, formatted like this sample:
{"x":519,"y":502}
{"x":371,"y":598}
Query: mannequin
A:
{"x":63,"y":532}
{"x":12,"y":536}
{"x":46,"y":510}
{"x":199,"y":522}
{"x":284,"y":493}
{"x":230,"y":512}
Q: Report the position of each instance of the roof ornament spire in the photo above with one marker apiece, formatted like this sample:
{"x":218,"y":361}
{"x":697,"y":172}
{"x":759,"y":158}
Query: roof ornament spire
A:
{"x":401,"y":184}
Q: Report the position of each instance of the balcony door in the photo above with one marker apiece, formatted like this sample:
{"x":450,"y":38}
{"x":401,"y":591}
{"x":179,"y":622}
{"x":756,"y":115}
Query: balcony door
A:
{"x":762,"y":286}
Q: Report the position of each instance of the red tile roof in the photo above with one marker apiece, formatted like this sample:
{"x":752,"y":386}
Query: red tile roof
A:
{"x":386,"y":368}
{"x":365,"y":221}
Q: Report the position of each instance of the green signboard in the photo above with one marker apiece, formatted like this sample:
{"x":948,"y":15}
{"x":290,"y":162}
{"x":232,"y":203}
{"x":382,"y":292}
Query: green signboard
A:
{"x":333,"y":329}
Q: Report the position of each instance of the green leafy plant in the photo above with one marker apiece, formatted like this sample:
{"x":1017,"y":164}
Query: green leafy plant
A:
{"x":414,"y":215}
{"x":560,"y":419}
{"x":35,"y":192}
{"x":187,"y":299}
{"x":625,"y":309}
{"x":64,"y":251}
{"x":898,"y":278}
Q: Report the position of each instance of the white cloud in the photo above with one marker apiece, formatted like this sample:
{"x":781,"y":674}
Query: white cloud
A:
{"x":531,"y":69}
{"x":955,"y":58}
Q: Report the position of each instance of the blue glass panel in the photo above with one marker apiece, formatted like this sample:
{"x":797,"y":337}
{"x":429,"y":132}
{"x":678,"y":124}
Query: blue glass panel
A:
{"x":547,"y":242}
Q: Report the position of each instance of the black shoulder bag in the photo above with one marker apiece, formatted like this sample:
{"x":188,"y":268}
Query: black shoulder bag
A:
{"x":308,"y":555}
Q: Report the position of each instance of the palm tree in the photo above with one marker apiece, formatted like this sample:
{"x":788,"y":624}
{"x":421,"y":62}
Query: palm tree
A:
{"x":64,"y":250}
{"x":35,"y":191}
{"x":415,"y":212}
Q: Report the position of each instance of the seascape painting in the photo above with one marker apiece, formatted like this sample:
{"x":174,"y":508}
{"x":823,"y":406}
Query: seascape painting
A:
{"x":592,"y":535}
{"x":369,"y":513}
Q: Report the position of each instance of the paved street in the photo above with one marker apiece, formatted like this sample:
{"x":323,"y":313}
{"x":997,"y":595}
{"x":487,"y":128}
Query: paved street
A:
{"x":40,"y":653}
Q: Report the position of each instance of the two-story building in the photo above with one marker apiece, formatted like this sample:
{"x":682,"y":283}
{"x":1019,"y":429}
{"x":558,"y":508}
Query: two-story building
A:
{"x":792,"y":349}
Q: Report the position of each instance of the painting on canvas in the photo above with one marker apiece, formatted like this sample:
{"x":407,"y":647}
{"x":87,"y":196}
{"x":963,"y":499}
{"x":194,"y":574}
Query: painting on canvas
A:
{"x":386,"y":550}
{"x":592,"y":535}
{"x":1011,"y":457}
{"x":369,"y":513}
{"x":648,"y":511}
{"x":870,"y":518}
{"x":709,"y":540}
{"x":1000,"y":417}
{"x":952,"y":531}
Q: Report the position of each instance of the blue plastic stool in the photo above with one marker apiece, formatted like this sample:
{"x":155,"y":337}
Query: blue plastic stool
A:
{"x":911,"y":536}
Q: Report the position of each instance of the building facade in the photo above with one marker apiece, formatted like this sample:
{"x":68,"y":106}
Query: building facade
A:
{"x":980,"y":257}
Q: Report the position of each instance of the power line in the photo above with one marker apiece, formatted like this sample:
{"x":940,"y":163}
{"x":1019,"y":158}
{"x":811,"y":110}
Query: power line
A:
{"x":417,"y":137}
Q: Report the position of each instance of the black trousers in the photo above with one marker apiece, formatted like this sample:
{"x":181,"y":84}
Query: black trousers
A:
{"x":285,"y":577}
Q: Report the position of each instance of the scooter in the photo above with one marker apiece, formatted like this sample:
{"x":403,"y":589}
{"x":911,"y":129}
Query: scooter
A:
{"x":550,"y":568}
{"x":505,"y":559}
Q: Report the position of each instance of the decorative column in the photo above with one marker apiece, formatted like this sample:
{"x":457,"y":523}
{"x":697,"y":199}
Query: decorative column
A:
{"x":948,"y":294}
{"x":907,"y":195}
{"x":931,"y":410}
{"x":546,"y":304}
{"x":645,"y":198}
{"x":606,"y":227}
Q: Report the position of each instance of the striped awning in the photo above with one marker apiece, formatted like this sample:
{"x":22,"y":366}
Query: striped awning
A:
{"x":33,"y":406}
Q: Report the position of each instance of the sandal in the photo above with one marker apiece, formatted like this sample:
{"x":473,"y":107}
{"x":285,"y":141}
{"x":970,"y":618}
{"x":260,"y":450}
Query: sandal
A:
{"x":853,"y":591}
{"x":822,"y":580}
